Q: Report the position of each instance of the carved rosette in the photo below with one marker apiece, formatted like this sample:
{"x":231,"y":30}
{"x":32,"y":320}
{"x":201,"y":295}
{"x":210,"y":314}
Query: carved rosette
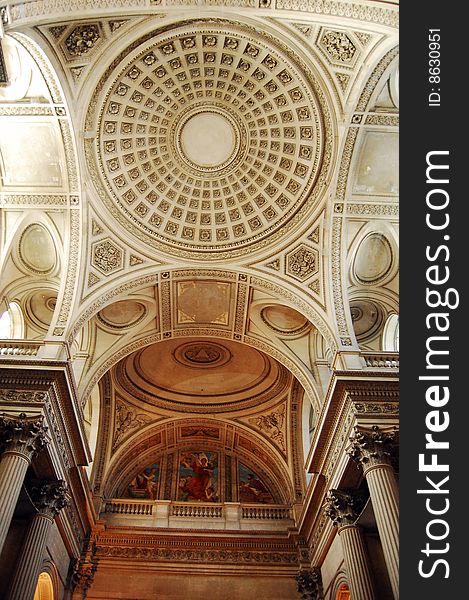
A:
{"x":49,"y":497}
{"x":343,"y":507}
{"x":373,"y":447}
{"x":309,"y":584}
{"x":22,"y":435}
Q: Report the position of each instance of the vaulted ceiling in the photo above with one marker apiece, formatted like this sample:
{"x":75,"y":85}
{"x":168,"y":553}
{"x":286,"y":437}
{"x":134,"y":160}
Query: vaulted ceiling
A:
{"x":201,"y":207}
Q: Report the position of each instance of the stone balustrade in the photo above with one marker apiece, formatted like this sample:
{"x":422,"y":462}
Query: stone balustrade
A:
{"x":227,"y":515}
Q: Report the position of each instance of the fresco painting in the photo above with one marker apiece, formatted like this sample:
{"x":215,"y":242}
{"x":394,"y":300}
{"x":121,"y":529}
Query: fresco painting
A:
{"x":251,"y":488}
{"x":145,"y":484}
{"x":198,"y":477}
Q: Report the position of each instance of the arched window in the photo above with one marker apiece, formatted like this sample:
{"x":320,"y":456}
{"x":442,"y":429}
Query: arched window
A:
{"x":343,"y":593}
{"x":44,"y":588}
{"x":391,"y":334}
{"x":11,"y":322}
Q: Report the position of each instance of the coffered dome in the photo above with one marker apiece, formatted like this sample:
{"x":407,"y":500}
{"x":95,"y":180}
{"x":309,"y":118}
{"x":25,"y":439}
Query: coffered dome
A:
{"x":210,"y":137}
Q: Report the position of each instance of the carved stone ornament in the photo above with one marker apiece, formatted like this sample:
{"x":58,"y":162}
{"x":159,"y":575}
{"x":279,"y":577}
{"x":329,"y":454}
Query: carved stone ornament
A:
{"x":373,"y":446}
{"x":302,"y":263}
{"x":83,"y":575}
{"x":309,"y":584}
{"x":211,"y":137}
{"x":23,"y":435}
{"x":343,"y":507}
{"x":82,"y":39}
{"x":338,"y":46}
{"x":49,"y":497}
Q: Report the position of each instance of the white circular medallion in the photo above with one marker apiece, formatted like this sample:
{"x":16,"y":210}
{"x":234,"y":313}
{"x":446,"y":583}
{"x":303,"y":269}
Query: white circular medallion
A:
{"x":208,"y":140}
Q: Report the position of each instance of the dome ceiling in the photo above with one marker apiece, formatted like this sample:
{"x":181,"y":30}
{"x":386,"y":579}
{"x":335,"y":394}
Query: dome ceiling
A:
{"x":210,"y":137}
{"x":201,"y":375}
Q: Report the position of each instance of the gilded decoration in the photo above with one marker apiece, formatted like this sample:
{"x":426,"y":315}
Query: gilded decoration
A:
{"x":244,"y":104}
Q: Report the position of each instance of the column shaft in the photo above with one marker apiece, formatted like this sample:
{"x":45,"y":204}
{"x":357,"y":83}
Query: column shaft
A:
{"x":13,"y":467}
{"x":28,"y":568}
{"x":385,"y":500}
{"x":356,"y":560}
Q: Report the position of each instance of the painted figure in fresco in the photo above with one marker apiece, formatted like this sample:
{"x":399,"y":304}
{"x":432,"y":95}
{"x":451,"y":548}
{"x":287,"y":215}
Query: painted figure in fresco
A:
{"x":198,"y":485}
{"x":145,"y":484}
{"x":253,"y":490}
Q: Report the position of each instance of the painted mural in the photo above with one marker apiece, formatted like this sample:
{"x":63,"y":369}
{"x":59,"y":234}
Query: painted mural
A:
{"x":251,"y":488}
{"x":145,"y":484}
{"x":198,"y":477}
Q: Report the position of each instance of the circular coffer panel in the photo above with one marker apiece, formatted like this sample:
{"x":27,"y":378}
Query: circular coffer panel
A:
{"x":210,"y":137}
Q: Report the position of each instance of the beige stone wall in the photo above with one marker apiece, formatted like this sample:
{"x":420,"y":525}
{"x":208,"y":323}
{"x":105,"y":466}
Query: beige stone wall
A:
{"x":148,"y":585}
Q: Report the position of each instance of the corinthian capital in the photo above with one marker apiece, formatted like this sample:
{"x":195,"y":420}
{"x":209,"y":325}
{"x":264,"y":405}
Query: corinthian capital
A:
{"x":373,"y":446}
{"x":309,"y":584}
{"x":49,"y":497}
{"x":343,"y":507}
{"x":23,"y":435}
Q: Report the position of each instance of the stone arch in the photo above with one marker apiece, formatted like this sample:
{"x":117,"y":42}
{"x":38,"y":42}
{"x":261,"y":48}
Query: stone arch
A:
{"x":338,"y":206}
{"x":53,"y":187}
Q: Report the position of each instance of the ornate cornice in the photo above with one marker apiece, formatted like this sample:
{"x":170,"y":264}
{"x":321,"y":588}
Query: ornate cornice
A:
{"x":352,"y":395}
{"x":197,"y":549}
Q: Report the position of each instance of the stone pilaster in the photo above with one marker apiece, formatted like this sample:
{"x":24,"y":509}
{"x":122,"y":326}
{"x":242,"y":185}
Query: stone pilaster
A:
{"x":20,"y":439}
{"x":49,"y":498}
{"x":343,"y":508}
{"x":373,"y":449}
{"x":309,"y":584}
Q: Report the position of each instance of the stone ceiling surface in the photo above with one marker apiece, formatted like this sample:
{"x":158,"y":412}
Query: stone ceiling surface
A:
{"x":210,"y":138}
{"x":200,"y":376}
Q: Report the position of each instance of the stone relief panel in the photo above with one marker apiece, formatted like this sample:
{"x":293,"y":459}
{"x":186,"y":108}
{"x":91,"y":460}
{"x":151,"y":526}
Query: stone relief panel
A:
{"x":272,"y":424}
{"x":302,"y":262}
{"x":108,"y":255}
{"x":203,"y":302}
{"x":78,"y":43}
{"x":126,"y":420}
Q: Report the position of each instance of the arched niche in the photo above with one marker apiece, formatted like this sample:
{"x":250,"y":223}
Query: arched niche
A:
{"x":390,"y":337}
{"x":44,"y":588}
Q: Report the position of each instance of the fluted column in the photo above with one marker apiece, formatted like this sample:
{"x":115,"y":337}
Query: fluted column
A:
{"x":372,"y":448}
{"x":20,"y":438}
{"x":344,"y":508}
{"x":49,"y":498}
